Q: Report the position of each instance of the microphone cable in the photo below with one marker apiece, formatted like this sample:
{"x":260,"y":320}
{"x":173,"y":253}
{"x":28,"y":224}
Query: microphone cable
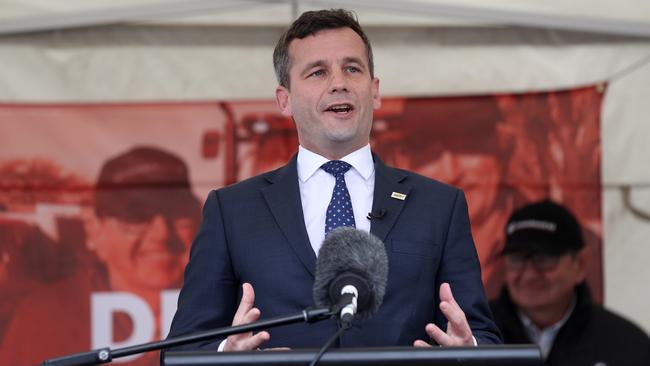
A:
{"x":344,"y":326}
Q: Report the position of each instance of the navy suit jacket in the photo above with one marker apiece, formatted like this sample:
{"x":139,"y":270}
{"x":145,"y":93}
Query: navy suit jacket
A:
{"x":254,"y":231}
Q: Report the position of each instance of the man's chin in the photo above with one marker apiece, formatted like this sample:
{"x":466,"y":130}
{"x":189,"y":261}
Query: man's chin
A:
{"x":159,"y":274}
{"x":344,"y":139}
{"x":530,"y":298}
{"x":341,"y":134}
{"x":160,"y":281}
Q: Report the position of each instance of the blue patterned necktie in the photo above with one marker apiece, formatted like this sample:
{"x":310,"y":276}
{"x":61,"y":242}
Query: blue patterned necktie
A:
{"x":339,"y":211}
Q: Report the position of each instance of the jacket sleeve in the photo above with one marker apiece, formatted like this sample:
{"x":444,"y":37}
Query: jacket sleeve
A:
{"x":460,"y":268}
{"x":208,"y":298}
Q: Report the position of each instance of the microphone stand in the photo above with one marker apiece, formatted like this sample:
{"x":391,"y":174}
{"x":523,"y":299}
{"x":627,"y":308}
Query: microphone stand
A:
{"x":105,"y":355}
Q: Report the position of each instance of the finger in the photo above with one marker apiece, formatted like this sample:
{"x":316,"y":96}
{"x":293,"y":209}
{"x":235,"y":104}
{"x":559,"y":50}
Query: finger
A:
{"x":458,"y":327}
{"x":445,"y":293}
{"x":255,"y":341}
{"x":458,"y":330}
{"x":246,"y":303}
{"x":251,"y":316}
{"x":438,"y":335}
{"x":421,"y":343}
{"x":455,"y":316}
{"x":246,"y":341}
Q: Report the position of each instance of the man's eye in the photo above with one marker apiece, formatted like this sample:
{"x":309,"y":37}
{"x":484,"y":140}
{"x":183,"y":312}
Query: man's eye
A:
{"x":352,"y":69}
{"x":317,"y":73}
{"x":132,"y":228}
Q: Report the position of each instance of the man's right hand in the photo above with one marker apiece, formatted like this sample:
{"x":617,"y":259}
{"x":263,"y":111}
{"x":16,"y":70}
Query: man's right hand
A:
{"x":245,"y":314}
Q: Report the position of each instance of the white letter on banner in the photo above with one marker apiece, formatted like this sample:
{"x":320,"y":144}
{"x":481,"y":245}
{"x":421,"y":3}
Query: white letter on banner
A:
{"x":104,"y":305}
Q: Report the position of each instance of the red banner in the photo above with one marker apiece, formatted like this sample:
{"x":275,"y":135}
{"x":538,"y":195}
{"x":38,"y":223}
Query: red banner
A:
{"x":99,"y":203}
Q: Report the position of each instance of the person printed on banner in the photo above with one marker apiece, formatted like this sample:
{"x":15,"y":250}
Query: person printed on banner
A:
{"x":145,"y":216}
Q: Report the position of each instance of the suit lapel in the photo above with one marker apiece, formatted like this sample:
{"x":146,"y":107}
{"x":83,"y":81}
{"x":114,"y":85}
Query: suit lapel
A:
{"x":390,"y":196}
{"x":283,"y":199}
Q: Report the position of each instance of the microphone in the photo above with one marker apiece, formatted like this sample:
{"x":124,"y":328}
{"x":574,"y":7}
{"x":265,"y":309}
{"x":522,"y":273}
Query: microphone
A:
{"x":376,"y":215}
{"x":351,"y":273}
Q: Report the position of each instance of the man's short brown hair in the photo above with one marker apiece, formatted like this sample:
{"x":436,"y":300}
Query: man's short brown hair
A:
{"x":310,"y":23}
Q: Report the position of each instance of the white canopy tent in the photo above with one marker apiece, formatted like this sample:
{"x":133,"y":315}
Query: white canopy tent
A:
{"x":629,"y":17}
{"x":120,"y":50}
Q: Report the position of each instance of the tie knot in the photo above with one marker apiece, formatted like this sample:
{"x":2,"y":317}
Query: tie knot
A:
{"x":336,"y":167}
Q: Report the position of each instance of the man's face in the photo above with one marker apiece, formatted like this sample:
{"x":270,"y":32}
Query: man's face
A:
{"x":331,"y":96}
{"x":150,"y":254}
{"x":534,"y":288}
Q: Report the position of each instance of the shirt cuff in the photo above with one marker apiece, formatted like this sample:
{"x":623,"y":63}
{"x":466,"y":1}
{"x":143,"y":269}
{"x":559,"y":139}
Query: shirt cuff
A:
{"x":222,"y":345}
{"x":474,"y":339}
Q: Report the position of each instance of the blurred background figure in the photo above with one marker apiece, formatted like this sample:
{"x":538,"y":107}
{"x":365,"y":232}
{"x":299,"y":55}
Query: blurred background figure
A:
{"x":42,"y":237}
{"x":546,"y":300}
{"x":265,"y":141}
{"x":556,"y":153}
{"x":145,"y":217}
{"x":457,"y":140}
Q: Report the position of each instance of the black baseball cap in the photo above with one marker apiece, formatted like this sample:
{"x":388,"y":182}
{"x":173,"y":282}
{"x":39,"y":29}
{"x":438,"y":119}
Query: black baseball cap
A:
{"x":142,"y":182}
{"x":543,"y":227}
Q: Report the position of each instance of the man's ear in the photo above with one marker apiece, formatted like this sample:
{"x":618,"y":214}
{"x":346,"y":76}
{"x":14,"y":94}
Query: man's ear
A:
{"x":582,"y":261}
{"x":376,"y":96}
{"x":283,"y":99}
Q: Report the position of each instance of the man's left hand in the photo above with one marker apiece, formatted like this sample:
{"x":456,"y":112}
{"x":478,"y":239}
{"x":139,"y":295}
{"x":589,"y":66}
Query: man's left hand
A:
{"x":458,"y":331}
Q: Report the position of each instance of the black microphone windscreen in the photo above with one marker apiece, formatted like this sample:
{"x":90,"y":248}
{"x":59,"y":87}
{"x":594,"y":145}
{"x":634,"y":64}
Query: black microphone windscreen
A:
{"x":347,"y":250}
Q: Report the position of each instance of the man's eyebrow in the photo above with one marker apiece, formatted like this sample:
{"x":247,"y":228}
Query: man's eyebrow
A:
{"x":355,"y":60}
{"x":312,"y":65}
{"x":321,"y":63}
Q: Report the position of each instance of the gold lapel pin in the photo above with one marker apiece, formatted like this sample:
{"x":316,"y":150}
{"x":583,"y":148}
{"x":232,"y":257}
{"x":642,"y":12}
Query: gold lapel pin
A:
{"x":399,"y":196}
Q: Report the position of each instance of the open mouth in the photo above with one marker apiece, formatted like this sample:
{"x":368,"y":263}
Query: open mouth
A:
{"x":340,"y":108}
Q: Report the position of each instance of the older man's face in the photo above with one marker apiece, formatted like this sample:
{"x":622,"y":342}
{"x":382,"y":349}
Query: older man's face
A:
{"x":538,"y":284}
{"x":147,"y":254}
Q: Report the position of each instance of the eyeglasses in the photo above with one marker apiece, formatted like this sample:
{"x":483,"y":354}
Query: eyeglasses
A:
{"x":180,"y":224}
{"x":541,"y":262}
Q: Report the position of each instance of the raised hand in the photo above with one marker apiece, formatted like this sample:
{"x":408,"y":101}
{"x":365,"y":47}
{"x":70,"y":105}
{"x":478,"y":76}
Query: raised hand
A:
{"x":458,"y":331}
{"x":245,"y":314}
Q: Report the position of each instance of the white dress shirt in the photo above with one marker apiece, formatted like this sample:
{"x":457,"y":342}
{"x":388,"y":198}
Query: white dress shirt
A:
{"x":316,"y":187}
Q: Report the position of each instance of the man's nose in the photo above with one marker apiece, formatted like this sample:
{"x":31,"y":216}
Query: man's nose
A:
{"x":338,"y":82}
{"x":529,"y":271}
{"x":158,"y":228}
{"x":161,"y":230}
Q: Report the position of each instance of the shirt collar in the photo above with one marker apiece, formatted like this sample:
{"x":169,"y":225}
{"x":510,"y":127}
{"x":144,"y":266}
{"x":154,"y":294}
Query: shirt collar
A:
{"x":309,"y":162}
{"x":532,"y":328}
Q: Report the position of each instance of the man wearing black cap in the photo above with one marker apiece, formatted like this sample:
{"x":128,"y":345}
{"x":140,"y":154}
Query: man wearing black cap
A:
{"x":546,"y":300}
{"x":145,"y":217}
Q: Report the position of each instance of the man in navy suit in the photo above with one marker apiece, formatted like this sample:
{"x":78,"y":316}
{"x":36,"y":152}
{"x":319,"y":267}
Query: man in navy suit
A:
{"x":264,"y":233}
